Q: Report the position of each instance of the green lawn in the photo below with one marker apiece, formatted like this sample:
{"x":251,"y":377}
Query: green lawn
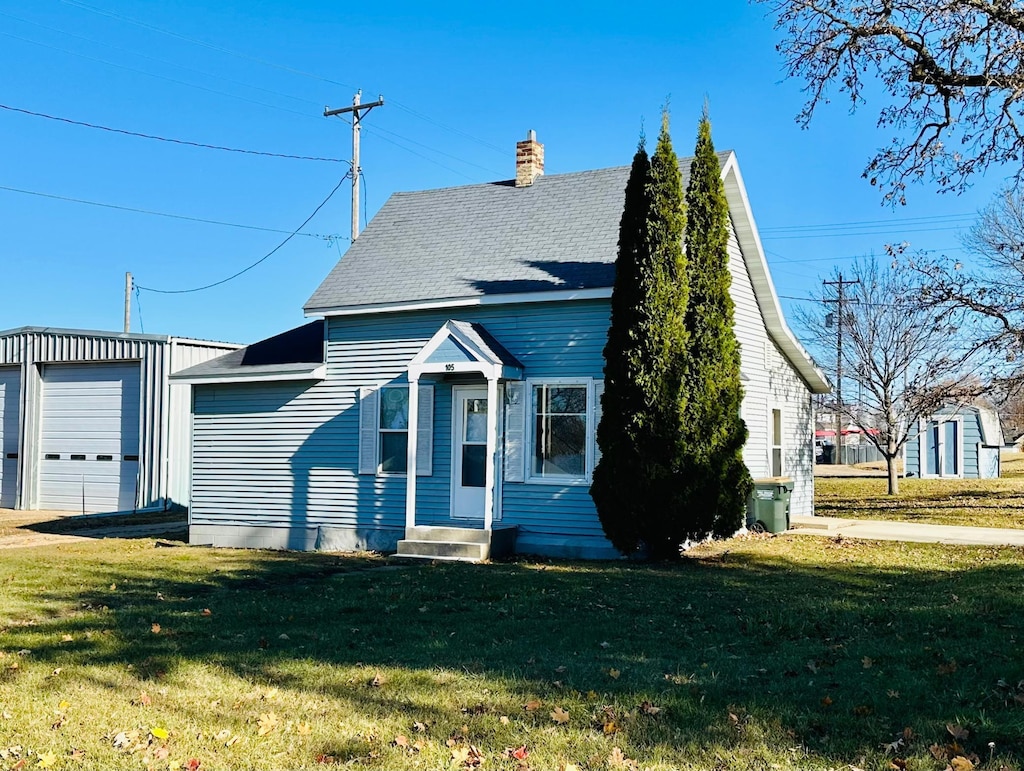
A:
{"x":756,"y":653}
{"x":977,"y":502}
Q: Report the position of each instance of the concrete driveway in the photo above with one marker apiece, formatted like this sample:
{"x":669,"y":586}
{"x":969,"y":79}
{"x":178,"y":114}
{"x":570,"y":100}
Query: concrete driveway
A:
{"x":905,"y":531}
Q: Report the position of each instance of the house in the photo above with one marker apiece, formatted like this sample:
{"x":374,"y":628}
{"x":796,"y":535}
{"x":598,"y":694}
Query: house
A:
{"x":451,"y":407}
{"x":958,"y":441}
{"x":90,"y":422}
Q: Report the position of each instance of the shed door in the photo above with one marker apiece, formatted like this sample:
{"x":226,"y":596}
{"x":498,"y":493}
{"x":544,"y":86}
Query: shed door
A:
{"x":89,"y":443}
{"x":10,"y":393}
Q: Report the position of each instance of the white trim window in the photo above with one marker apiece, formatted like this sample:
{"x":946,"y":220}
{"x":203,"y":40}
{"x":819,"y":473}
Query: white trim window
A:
{"x":561,"y":430}
{"x":777,"y":454}
{"x":384,"y":430}
{"x":394,"y":429}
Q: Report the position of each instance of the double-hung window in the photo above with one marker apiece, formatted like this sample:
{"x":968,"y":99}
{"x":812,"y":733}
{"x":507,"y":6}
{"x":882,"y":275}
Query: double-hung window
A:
{"x":777,"y":469}
{"x":394,"y":429}
{"x":561,"y":432}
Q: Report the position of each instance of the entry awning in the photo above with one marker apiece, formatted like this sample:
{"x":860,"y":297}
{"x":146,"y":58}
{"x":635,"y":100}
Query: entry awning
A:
{"x":461,"y":347}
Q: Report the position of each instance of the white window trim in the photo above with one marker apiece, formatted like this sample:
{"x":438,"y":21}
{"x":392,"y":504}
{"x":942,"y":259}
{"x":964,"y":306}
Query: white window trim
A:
{"x":380,"y":430}
{"x":922,"y":446}
{"x":531,"y":419}
{"x":781,"y":446}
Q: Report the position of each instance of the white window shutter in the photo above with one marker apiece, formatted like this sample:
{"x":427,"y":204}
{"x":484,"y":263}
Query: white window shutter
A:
{"x":596,"y":412}
{"x":425,"y":431}
{"x":369,"y":429}
{"x":515,"y":431}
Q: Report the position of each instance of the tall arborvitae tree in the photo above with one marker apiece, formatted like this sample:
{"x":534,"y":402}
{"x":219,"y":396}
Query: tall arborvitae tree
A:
{"x":713,"y":434}
{"x":617,"y":483}
{"x":637,"y":483}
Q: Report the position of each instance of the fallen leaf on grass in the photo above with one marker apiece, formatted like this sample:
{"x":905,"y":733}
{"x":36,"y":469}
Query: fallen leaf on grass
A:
{"x":898,"y":764}
{"x":162,"y":753}
{"x":947,"y":668}
{"x":618,"y":759}
{"x":47,"y":760}
{"x":421,"y":728}
{"x":155,"y":628}
{"x":504,"y":720}
{"x":378,"y":680}
{"x":159,"y":733}
{"x":649,"y":709}
{"x":304,"y":729}
{"x":144,"y":700}
{"x":207,"y":612}
{"x":67,"y":638}
{"x":192,"y":764}
{"x":518,"y":753}
{"x":614,"y":673}
{"x":960,"y":763}
{"x":813,"y":666}
{"x":958,"y":732}
{"x":267,"y":723}
{"x":826,"y":701}
{"x":77,"y":754}
{"x":532,"y":705}
{"x":467,"y":757}
{"x":867,"y":662}
{"x":560,"y":716}
{"x":270,"y":694}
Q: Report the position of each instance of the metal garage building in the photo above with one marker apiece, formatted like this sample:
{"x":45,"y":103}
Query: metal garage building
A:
{"x":89,"y":421}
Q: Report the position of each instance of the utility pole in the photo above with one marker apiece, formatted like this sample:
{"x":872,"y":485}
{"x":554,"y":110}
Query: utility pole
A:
{"x":358,"y":110}
{"x":840,"y":302}
{"x":127,"y":302}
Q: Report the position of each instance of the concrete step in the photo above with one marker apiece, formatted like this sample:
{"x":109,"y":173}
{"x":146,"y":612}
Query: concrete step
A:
{"x":442,"y":533}
{"x":462,"y":551}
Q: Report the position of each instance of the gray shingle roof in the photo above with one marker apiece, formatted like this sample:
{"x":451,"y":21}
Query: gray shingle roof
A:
{"x":559,"y":233}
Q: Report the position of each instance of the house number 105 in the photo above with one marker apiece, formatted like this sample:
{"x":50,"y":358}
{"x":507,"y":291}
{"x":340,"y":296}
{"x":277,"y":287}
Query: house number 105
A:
{"x":449,"y":367}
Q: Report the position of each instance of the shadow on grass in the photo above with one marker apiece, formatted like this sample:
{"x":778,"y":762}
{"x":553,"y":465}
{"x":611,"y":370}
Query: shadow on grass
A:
{"x":100,"y":525}
{"x":745,"y":646}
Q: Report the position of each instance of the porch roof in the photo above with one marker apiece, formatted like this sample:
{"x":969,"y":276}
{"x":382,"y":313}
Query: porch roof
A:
{"x":462,"y":346}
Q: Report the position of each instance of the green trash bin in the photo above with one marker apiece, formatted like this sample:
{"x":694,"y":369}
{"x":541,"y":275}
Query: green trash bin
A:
{"x":768,"y":506}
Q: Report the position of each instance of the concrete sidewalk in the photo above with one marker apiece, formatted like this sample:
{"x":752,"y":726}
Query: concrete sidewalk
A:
{"x":907,"y":531}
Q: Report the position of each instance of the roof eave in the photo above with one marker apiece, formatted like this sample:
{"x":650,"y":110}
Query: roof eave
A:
{"x":760,"y":279}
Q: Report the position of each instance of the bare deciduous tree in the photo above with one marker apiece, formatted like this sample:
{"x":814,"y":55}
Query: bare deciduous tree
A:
{"x":952,"y":67}
{"x":905,"y":359}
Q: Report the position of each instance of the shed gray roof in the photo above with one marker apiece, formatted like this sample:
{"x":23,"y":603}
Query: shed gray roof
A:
{"x":559,"y":233}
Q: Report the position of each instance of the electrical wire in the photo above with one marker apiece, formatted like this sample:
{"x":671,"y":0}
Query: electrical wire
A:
{"x":377,"y":130}
{"x":830,"y":225}
{"x":158,"y":77}
{"x":138,"y":302}
{"x":161,"y":214}
{"x":203,"y":43}
{"x":158,"y":60}
{"x":262,"y":259}
{"x":140,"y":135}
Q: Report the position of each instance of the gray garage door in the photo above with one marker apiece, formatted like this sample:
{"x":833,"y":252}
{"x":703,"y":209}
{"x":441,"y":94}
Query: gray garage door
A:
{"x":10,"y":392}
{"x":89,"y":446}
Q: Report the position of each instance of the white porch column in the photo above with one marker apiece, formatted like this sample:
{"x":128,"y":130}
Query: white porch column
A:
{"x":410,"y":456}
{"x":492,"y":451}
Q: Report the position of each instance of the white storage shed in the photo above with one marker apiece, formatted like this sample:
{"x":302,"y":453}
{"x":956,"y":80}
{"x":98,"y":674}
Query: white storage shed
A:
{"x":90,"y":422}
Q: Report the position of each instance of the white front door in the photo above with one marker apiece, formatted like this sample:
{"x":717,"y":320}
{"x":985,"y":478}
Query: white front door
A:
{"x":469,"y":452}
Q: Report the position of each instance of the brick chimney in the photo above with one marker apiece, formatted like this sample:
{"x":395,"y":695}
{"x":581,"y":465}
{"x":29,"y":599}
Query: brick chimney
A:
{"x":529,"y":159}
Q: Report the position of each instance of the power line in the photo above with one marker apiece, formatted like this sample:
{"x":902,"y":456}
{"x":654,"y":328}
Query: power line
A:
{"x":203,"y":43}
{"x":829,"y":225}
{"x":156,"y":59}
{"x":274,"y":65}
{"x":154,"y":75}
{"x":262,"y":259}
{"x":138,"y":302}
{"x":895,"y":230}
{"x":141,"y":135}
{"x":160,"y":213}
{"x":378,"y":130}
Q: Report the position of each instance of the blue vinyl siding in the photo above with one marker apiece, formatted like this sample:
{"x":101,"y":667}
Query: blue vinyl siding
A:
{"x":287,"y":453}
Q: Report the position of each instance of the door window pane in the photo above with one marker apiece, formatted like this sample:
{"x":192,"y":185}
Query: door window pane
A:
{"x":474,"y":465}
{"x":476,"y":420}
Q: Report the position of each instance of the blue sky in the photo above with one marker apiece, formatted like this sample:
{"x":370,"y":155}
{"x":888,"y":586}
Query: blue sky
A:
{"x":463,"y":82}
